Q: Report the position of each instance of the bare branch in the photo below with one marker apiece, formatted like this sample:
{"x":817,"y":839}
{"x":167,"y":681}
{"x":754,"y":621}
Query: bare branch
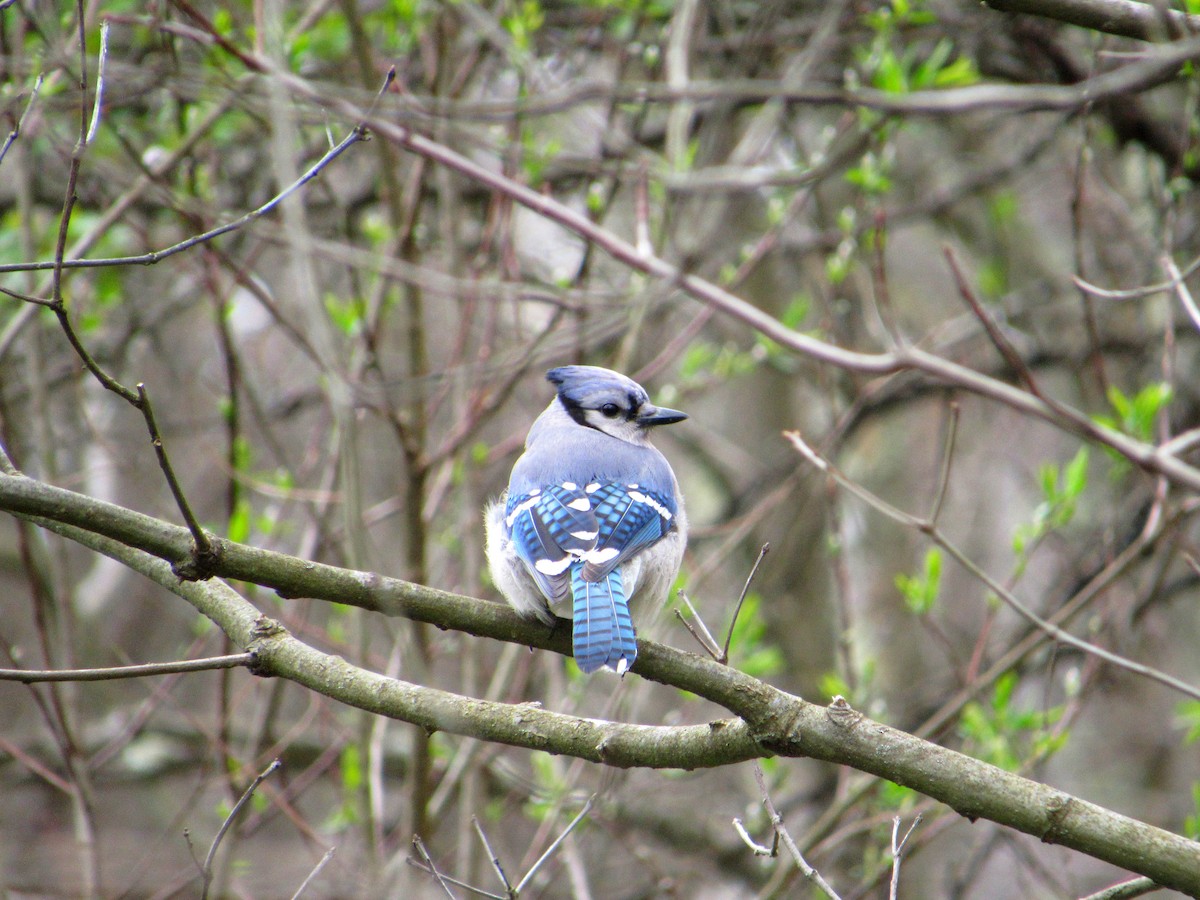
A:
{"x":16,"y":131}
{"x":26,"y":298}
{"x":203,"y":546}
{"x":312,"y":876}
{"x":777,"y":823}
{"x":939,"y":496}
{"x":897,"y":852}
{"x":1136,"y":293}
{"x":155,"y":256}
{"x":757,"y":848}
{"x":762,"y":552}
{"x":33,"y":676}
{"x":428,"y":860}
{"x":993,"y":331}
{"x":207,"y":867}
{"x":493,"y":858}
{"x":533,"y":870}
{"x":703,"y":637}
{"x":1182,"y":292}
{"x":98,"y":103}
{"x":1127,"y":18}
{"x":1126,"y":890}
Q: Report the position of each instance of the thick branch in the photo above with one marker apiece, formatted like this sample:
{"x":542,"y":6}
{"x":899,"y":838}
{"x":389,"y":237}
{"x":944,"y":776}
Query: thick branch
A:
{"x":771,"y":720}
{"x":1127,"y":18}
{"x":277,"y":653}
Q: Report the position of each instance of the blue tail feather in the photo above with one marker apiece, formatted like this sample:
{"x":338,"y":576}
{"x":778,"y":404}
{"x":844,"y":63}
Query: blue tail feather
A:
{"x":603,"y":629}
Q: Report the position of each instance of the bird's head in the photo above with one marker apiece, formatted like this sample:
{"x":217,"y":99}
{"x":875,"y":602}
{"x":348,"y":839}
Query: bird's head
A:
{"x":609,"y":402}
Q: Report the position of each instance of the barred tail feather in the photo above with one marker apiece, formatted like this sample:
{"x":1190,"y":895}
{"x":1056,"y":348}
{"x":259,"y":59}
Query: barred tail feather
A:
{"x":603,"y":629}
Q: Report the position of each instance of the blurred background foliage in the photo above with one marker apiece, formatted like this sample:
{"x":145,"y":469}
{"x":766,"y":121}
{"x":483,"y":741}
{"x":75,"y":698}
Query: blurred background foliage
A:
{"x":349,"y":379}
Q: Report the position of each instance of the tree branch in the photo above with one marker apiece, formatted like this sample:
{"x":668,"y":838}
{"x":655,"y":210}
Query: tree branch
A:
{"x":771,"y":721}
{"x":112,"y":673}
{"x":1127,"y":18}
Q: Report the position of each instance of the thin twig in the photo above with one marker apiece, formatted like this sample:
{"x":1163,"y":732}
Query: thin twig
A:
{"x":98,"y":103}
{"x":16,"y":132}
{"x":1126,"y":890}
{"x":34,"y":676}
{"x":36,"y":766}
{"x":389,"y":79}
{"x":217,"y":37}
{"x":818,"y":461}
{"x":433,"y":870}
{"x":554,"y":846}
{"x":755,"y":846}
{"x":450,"y":879}
{"x":763,"y":551}
{"x":359,"y":133}
{"x":947,"y":462}
{"x":703,"y":637}
{"x":1183,"y":442}
{"x":1136,"y":75}
{"x":203,"y":547}
{"x":207,"y":868}
{"x":1182,"y":292}
{"x":64,"y":321}
{"x":994,"y":332}
{"x":777,"y":823}
{"x":17,"y":295}
{"x":187,"y":839}
{"x":58,"y":304}
{"x":897,"y":852}
{"x":495,"y":860}
{"x":1053,"y":630}
{"x":1136,"y":293}
{"x":314,"y":873}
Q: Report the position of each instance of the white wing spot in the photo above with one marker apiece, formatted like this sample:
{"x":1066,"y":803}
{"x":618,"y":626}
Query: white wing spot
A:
{"x":520,"y":508}
{"x":570,"y":485}
{"x":593,"y":487}
{"x":552,"y":566}
{"x":585,"y":535}
{"x":639,"y":497}
{"x":583,"y":504}
{"x":600,"y":557}
{"x":633,"y":487}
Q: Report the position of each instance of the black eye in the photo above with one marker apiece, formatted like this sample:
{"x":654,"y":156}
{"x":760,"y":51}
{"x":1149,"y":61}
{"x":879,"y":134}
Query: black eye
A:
{"x":611,"y":410}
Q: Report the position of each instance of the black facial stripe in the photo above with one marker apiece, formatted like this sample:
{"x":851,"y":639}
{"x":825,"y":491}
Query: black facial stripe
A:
{"x":633,"y":406}
{"x":579,"y":414}
{"x":575,"y":411}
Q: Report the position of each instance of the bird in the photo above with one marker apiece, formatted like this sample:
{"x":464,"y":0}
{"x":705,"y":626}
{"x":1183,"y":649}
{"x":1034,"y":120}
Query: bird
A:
{"x":592,"y":512}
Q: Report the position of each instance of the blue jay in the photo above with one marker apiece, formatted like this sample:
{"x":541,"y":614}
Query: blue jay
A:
{"x":592,"y":512}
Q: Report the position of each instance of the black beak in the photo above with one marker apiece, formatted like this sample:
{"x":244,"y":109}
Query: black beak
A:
{"x":649,"y":416}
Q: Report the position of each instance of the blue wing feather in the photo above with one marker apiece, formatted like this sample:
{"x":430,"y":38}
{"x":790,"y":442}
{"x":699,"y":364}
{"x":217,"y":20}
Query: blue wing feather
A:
{"x":630,"y":519}
{"x":573,"y":540}
{"x":550,"y":527}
